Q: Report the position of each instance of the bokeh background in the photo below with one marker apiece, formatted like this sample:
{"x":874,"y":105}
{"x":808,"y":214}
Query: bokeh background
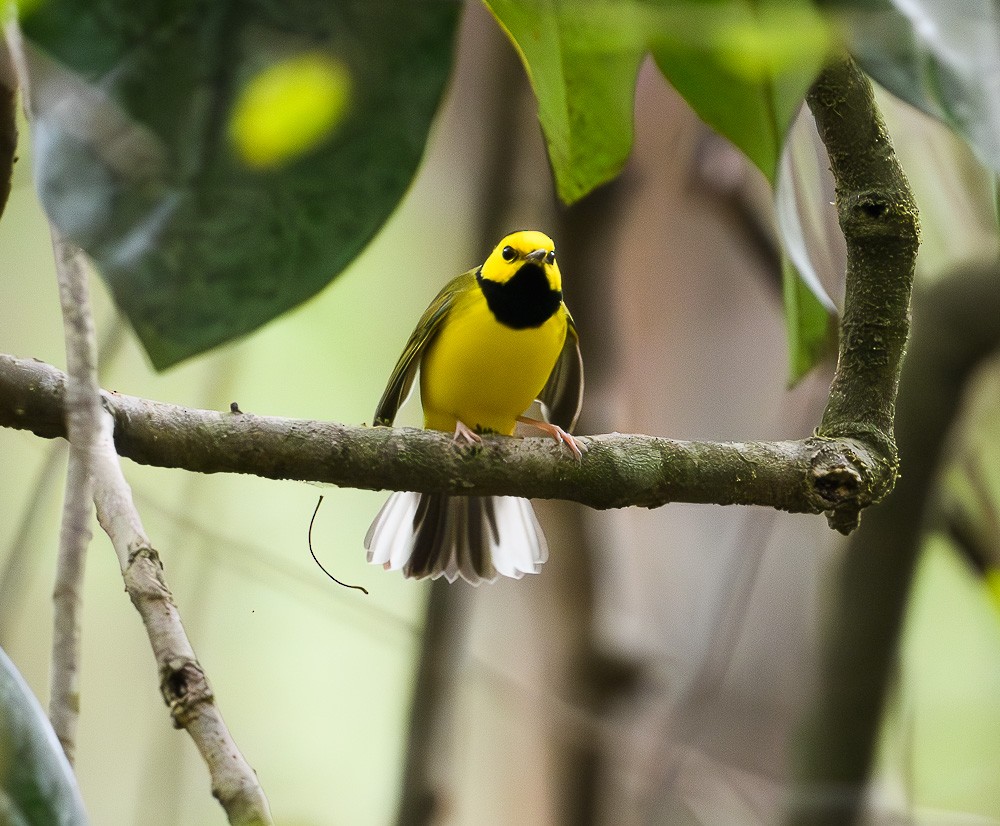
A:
{"x":658,"y":669}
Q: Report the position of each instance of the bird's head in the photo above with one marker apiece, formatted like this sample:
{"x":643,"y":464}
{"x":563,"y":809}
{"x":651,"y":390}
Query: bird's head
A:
{"x":527,"y":248}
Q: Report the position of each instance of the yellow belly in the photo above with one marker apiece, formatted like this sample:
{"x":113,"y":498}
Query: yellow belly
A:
{"x":483,"y":373}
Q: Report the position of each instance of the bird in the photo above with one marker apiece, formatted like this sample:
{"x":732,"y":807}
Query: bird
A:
{"x":494,"y":340}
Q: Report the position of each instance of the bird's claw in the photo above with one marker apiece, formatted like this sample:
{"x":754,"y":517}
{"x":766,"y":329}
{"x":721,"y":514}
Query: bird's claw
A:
{"x":577,"y":446}
{"x":465,"y":433}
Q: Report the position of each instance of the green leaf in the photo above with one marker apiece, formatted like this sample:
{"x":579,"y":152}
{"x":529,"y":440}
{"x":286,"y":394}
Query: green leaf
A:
{"x":37,"y":786}
{"x":810,"y":326}
{"x":584,"y":80}
{"x":743,"y":66}
{"x":222,"y":162}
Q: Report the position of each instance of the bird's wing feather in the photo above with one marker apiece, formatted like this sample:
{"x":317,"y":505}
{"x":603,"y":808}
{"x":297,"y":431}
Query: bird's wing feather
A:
{"x":401,"y":380}
{"x":562,"y":396}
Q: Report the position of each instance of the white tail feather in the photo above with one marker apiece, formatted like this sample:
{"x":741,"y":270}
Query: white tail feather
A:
{"x":475,"y":538}
{"x":389,"y":540}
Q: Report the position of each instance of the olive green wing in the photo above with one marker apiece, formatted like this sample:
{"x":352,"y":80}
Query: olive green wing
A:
{"x":562,"y":396}
{"x":401,"y":380}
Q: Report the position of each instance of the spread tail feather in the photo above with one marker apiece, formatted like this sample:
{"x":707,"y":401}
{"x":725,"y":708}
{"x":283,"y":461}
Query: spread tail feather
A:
{"x":473,"y":537}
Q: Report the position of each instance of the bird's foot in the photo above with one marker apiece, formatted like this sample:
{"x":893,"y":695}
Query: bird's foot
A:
{"x":465,"y":433}
{"x":577,"y":446}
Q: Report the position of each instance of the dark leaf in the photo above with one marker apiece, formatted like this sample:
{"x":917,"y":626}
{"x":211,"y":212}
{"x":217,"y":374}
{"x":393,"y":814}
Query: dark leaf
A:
{"x":222,"y":162}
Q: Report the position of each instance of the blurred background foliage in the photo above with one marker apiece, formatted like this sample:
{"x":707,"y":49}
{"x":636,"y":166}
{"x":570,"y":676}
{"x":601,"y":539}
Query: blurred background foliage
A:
{"x":658,"y":670}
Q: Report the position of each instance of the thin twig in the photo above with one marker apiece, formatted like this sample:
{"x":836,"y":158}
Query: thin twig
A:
{"x":312,"y":553}
{"x":183,"y":682}
{"x":22,"y":558}
{"x":17,"y":573}
{"x":83,"y":413}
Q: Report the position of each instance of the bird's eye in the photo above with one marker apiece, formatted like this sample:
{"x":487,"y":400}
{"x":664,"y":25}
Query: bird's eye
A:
{"x":508,"y":254}
{"x":551,"y":257}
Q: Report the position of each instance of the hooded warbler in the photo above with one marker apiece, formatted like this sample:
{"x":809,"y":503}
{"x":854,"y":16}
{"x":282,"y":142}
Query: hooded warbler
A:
{"x":493,"y":341}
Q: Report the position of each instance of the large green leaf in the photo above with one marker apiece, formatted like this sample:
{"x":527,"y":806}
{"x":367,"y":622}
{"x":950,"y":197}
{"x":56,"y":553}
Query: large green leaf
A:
{"x":37,"y":786}
{"x":813,"y":243}
{"x":221,"y":162}
{"x":744,"y":66}
{"x":584,"y":76}
{"x":942,"y":56}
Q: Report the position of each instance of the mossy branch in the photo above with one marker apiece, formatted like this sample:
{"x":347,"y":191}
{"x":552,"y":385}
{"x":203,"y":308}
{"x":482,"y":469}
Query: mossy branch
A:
{"x":811,"y":475}
{"x":878,"y":216}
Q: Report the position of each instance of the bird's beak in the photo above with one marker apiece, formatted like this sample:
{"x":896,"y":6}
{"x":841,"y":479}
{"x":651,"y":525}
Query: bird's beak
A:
{"x":536,"y":255}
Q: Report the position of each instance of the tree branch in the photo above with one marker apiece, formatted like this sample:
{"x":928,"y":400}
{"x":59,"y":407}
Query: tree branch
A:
{"x":183,"y":682}
{"x":878,"y":216}
{"x":8,"y":123}
{"x":95,"y":476}
{"x":807,"y":476}
{"x":82,"y":416}
{"x":850,"y":464}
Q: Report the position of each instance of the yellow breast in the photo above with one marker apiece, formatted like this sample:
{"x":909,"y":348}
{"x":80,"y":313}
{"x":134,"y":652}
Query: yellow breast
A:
{"x":484,"y":373}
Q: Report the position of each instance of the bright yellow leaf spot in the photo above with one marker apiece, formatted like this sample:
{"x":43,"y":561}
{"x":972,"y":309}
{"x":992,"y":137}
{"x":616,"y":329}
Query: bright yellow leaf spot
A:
{"x":993,"y":586}
{"x":289,"y":108}
{"x":759,"y":49}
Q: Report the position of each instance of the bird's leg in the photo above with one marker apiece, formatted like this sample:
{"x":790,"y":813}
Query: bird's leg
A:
{"x":557,"y":433}
{"x":463,"y":431}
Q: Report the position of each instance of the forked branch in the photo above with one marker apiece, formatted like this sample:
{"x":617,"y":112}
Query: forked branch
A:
{"x":95,"y":473}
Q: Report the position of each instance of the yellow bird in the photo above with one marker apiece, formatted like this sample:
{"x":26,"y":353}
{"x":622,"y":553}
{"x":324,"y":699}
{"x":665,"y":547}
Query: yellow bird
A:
{"x":493,"y":341}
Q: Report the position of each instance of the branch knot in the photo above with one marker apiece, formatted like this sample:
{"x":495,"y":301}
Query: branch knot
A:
{"x":185,"y":689}
{"x":836,"y":480}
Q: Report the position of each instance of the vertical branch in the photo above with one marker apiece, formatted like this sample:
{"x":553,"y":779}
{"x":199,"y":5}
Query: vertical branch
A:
{"x":441,"y":644}
{"x":8,"y":122}
{"x":83,"y":412}
{"x":22,"y":556}
{"x":878,"y":217}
